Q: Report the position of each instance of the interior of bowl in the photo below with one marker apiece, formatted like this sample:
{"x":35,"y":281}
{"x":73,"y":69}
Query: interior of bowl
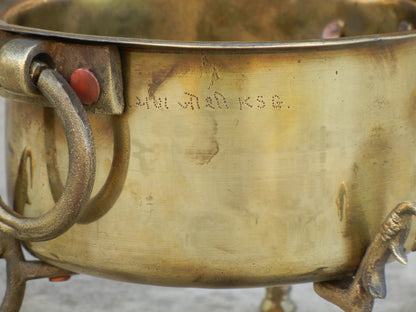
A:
{"x":217,"y":20}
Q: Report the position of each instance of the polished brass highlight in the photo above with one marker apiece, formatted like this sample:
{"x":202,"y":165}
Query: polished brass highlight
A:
{"x":342,"y":201}
{"x":357,"y":294}
{"x":16,"y":59}
{"x":278,"y":300}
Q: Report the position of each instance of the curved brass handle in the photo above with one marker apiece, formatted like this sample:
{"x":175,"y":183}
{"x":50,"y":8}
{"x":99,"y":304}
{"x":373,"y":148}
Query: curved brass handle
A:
{"x":81,"y":170}
{"x":104,"y":200}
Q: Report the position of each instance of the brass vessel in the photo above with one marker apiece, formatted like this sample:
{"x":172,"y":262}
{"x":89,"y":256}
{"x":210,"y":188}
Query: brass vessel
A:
{"x":234,"y":147}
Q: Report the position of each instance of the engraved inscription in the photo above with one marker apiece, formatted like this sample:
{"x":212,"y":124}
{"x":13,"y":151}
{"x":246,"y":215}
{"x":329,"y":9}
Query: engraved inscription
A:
{"x":192,"y":103}
{"x":158,"y":103}
{"x":261,"y":103}
{"x":244,"y":102}
{"x":276,"y":102}
{"x":214,"y":101}
{"x":219,"y":100}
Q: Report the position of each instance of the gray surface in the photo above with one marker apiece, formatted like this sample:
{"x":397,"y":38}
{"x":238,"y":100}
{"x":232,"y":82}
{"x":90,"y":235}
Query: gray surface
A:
{"x":84,"y":293}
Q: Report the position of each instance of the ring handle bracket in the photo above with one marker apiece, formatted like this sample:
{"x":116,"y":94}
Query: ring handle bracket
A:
{"x":16,"y":59}
{"x":30,"y":75}
{"x":103,"y":61}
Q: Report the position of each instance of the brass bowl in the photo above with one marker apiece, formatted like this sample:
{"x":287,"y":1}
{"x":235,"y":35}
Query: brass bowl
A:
{"x":240,"y":158}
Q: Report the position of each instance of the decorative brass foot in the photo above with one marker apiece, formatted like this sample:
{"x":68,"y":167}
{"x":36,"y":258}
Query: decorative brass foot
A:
{"x":357,"y":293}
{"x":19,"y":271}
{"x":278,"y":300}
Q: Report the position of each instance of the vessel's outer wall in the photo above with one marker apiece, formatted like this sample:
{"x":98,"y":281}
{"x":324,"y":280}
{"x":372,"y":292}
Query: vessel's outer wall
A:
{"x":246,"y":169}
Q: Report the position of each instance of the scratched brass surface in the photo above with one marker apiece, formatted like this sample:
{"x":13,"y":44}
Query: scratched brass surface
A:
{"x":247,"y":167}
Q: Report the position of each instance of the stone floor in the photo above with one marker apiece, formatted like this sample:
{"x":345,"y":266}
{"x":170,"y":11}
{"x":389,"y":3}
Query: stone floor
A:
{"x":84,"y":293}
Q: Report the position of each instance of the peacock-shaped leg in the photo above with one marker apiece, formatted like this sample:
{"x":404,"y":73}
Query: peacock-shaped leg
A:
{"x":357,"y":294}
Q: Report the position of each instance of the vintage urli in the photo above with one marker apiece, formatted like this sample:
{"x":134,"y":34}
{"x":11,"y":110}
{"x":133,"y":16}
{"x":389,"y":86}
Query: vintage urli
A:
{"x":210,"y":143}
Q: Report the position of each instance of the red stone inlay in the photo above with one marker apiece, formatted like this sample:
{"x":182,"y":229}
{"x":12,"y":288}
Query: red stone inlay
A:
{"x":85,"y":85}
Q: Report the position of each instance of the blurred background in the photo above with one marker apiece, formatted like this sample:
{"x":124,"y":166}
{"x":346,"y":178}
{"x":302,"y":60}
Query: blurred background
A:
{"x":85,"y":293}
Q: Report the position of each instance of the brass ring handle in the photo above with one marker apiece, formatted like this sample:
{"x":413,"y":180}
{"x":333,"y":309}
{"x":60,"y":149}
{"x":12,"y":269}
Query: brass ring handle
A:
{"x":104,"y":200}
{"x":81,"y":171}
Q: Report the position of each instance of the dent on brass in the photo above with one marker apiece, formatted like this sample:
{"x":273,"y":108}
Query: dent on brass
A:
{"x":24,"y":180}
{"x":102,"y":202}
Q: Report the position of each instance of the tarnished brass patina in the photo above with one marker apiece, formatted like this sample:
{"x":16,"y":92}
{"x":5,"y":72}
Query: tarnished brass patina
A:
{"x":227,"y":156}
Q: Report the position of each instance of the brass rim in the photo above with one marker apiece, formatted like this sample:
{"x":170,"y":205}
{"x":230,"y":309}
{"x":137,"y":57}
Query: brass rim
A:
{"x":338,"y":43}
